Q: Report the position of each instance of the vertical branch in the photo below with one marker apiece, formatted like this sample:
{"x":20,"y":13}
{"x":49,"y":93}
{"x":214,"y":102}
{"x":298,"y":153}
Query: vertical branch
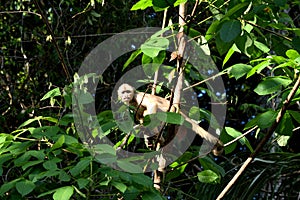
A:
{"x":180,"y":57}
{"x":264,"y":140}
{"x":61,"y":58}
{"x":156,"y":73}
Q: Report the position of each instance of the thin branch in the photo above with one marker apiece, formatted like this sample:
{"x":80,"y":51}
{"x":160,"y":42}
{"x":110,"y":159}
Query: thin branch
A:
{"x":205,"y":80}
{"x":241,"y":136}
{"x":268,"y":30}
{"x":54,"y":41}
{"x":19,"y":11}
{"x":264,"y":140}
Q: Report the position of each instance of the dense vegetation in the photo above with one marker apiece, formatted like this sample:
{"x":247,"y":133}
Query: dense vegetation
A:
{"x":254,"y":44}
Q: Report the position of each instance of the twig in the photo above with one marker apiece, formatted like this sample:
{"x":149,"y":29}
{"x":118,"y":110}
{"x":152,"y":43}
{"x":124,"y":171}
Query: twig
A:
{"x":19,"y":11}
{"x":205,"y":80}
{"x":268,"y":30}
{"x":241,"y":136}
{"x":61,"y":58}
{"x":264,"y":140}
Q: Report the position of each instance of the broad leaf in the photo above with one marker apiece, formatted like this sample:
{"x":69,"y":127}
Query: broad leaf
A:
{"x":120,"y":186}
{"x":230,"y":53}
{"x":154,"y":45}
{"x":239,"y":70}
{"x":264,"y":120}
{"x":52,"y":93}
{"x":142,"y":4}
{"x":258,"y":68}
{"x":25,"y":187}
{"x":80,"y":166}
{"x":208,"y":176}
{"x":235,"y":134}
{"x":261,"y":46}
{"x":230,"y":30}
{"x":271,"y":85}
{"x":285,"y":126}
{"x":132,"y":57}
{"x":63,"y":193}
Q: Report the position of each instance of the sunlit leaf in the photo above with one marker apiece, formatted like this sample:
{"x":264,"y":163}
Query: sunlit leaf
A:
{"x":142,"y":4}
{"x":239,"y":70}
{"x":52,"y":93}
{"x":208,"y":176}
{"x":63,"y":193}
{"x":153,"y":46}
{"x":271,"y":84}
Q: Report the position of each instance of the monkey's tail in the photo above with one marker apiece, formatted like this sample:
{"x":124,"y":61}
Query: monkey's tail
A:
{"x":217,"y":145}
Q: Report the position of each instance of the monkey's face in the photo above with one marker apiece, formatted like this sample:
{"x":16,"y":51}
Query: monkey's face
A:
{"x":125,"y":93}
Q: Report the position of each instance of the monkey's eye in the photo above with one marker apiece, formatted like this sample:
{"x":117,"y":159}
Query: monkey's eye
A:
{"x":126,"y":91}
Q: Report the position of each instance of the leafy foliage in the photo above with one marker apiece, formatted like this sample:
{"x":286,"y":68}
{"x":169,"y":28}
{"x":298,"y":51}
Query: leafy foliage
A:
{"x":255,"y":45}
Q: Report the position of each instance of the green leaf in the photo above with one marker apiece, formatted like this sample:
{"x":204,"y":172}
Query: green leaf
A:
{"x":129,"y":167}
{"x":178,"y":2}
{"x":235,"y":134}
{"x":25,"y":187}
{"x":8,"y":186}
{"x":80,"y":166}
{"x":142,"y":179}
{"x":58,"y":143}
{"x":292,"y":54}
{"x":271,"y":85}
{"x":258,"y":68}
{"x":295,"y":115}
{"x":282,"y":140}
{"x":63,"y":176}
{"x":208,"y":176}
{"x":170,"y":117}
{"x":84,"y":97}
{"x":230,"y":53}
{"x":163,"y":4}
{"x":29,"y":121}
{"x":230,"y":30}
{"x":44,"y":131}
{"x":236,"y":9}
{"x":154,"y":45}
{"x":266,"y":119}
{"x":296,"y":43}
{"x":159,"y":59}
{"x":131,"y":193}
{"x":222,"y":46}
{"x":120,"y":186}
{"x":286,"y":126}
{"x":63,"y":193}
{"x":142,"y":4}
{"x":82,"y":182}
{"x":244,"y":43}
{"x":95,"y":14}
{"x":50,"y":165}
{"x":31,"y":163}
{"x":261,"y":46}
{"x":151,"y":195}
{"x":3,"y":159}
{"x":52,"y":93}
{"x":132,"y":57}
{"x":208,"y":164}
{"x":239,"y":70}
{"x":212,"y":30}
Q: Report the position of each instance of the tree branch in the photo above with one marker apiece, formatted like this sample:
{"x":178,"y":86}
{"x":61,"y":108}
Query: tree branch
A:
{"x":61,"y":58}
{"x":264,"y":140}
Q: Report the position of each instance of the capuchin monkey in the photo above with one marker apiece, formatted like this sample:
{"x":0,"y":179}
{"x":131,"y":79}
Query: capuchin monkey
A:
{"x":149,"y":104}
